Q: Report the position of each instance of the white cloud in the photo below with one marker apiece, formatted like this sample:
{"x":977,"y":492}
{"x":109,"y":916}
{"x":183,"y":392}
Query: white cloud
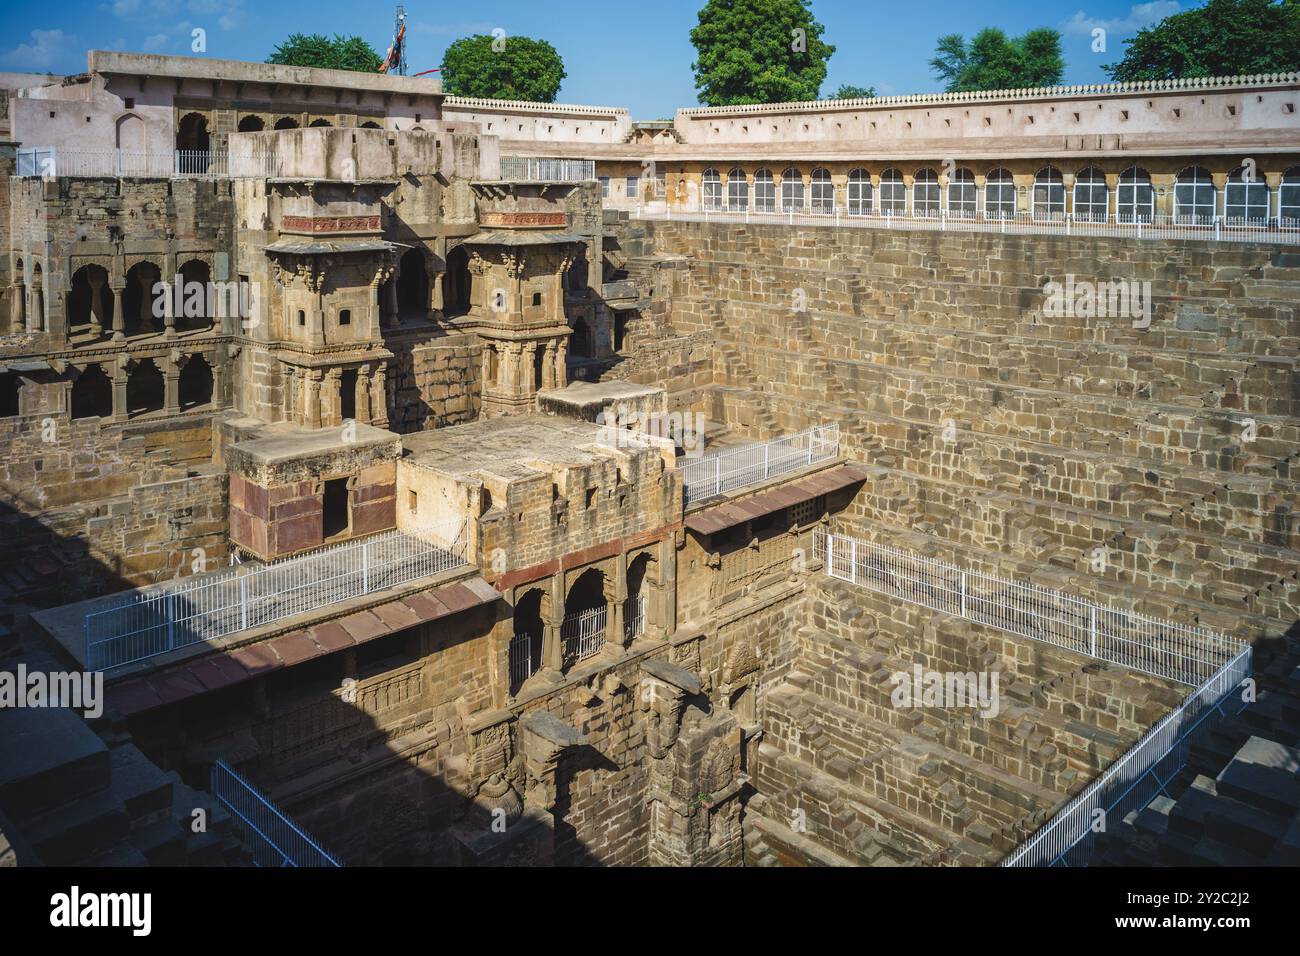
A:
{"x":152,"y":44}
{"x":45,"y":51}
{"x":1140,"y":16}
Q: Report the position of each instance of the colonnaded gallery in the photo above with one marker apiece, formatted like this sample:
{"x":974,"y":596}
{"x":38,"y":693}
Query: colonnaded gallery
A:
{"x":908,"y":481}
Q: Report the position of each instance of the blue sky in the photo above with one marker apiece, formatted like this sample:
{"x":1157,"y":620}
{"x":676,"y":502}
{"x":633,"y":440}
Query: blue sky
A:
{"x":635,"y":54}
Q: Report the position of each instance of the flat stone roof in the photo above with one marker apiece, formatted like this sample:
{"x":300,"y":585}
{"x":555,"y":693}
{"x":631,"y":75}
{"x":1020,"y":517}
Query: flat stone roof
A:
{"x":283,"y":442}
{"x":515,"y":447}
{"x":244,"y":71}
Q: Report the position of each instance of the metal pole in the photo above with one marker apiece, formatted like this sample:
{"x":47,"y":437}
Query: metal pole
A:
{"x":1092,"y":629}
{"x":717,"y":475}
{"x":853,"y":560}
{"x":963,"y":594}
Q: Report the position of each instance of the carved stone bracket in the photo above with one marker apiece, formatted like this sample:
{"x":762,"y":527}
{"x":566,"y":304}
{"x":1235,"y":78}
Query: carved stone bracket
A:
{"x":664,"y":693}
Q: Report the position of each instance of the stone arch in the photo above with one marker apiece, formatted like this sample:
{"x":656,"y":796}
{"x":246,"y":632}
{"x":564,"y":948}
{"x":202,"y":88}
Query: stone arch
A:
{"x":92,"y":394}
{"x":457,"y":282}
{"x":251,"y":124}
{"x":38,"y":298}
{"x":412,"y":286}
{"x":321,"y":122}
{"x":1135,"y":197}
{"x":138,"y":298}
{"x":580,"y":345}
{"x":198,"y":271}
{"x":144,"y":388}
{"x":131,"y":133}
{"x":1091,"y":195}
{"x":530,"y":615}
{"x":195,"y":384}
{"x":636,"y":612}
{"x":370,"y":124}
{"x":11,"y":384}
{"x":286,"y":122}
{"x":1048,"y":194}
{"x":585,"y":617}
{"x":926,"y":201}
{"x":90,"y":300}
{"x":192,"y":133}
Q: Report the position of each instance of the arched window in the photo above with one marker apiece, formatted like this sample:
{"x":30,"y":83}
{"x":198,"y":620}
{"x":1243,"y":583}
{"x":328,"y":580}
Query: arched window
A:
{"x":1290,"y":196}
{"x":859,"y":193}
{"x":1000,"y":195}
{"x":144,"y":388}
{"x":893,"y":193}
{"x":412,"y":286}
{"x":1194,"y":197}
{"x":1091,"y":196}
{"x":737,"y":190}
{"x":962,"y":194}
{"x":823,"y":191}
{"x":370,"y":124}
{"x":711,"y":187}
{"x":1246,"y":196}
{"x":321,"y":122}
{"x":1049,"y":194}
{"x":925,"y":193}
{"x":251,"y":124}
{"x":764,"y":191}
{"x":792,"y":191}
{"x":92,"y":394}
{"x":1135,"y":200}
{"x":286,"y":122}
{"x":195,"y":384}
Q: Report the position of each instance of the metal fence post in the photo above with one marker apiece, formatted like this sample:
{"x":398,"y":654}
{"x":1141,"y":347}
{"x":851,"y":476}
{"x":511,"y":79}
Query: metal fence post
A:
{"x":243,"y":602}
{"x":853,"y":560}
{"x":717,"y":475}
{"x":365,"y":568}
{"x":766,"y":449}
{"x":830,"y":554}
{"x":171,"y":620}
{"x":1092,"y":629}
{"x":963,"y":594}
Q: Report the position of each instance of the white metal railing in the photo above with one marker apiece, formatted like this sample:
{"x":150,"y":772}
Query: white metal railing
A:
{"x":53,"y":162}
{"x":749,"y":464}
{"x":1187,"y":653}
{"x":530,"y":169}
{"x":1206,"y":659}
{"x":524,"y":662}
{"x":274,"y":839}
{"x":1135,"y":778}
{"x":634,"y":618}
{"x":155,"y":620}
{"x":583,"y":634}
{"x":1219,"y":228}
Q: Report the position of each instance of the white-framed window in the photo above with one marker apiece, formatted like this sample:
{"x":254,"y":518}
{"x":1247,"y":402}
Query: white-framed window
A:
{"x":604,"y":187}
{"x":925,"y":193}
{"x":711,"y":188}
{"x":893,"y":193}
{"x":737,"y":190}
{"x":764,"y":191}
{"x":1049,"y":194}
{"x":823,"y":191}
{"x":1245,"y":198}
{"x":859,"y":194}
{"x":1290,"y":196}
{"x":1195,"y":196}
{"x":633,"y":187}
{"x":962,"y":195}
{"x":1000,"y":195}
{"x":1091,"y":196}
{"x":792,"y":191}
{"x":1135,"y":198}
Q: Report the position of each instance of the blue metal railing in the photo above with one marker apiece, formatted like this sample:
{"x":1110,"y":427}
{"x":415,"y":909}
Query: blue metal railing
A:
{"x":274,"y":839}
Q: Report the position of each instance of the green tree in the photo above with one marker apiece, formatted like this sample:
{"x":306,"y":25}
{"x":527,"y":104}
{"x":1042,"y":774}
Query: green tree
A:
{"x":994,"y":61}
{"x":850,"y":92}
{"x":508,"y":68}
{"x":758,"y":51}
{"x":318,"y":50}
{"x":1222,"y":38}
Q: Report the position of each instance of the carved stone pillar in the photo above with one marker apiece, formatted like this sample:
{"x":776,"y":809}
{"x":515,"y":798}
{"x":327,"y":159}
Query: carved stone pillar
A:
{"x":390,"y":302}
{"x":331,"y":412}
{"x":18,"y":308}
{"x":552,"y":640}
{"x":379,"y":396}
{"x":119,"y":390}
{"x":313,"y":411}
{"x":562,"y":364}
{"x":96,"y":283}
{"x":119,"y":316}
{"x":362,"y":393}
{"x":548,"y":366}
{"x":616,"y":596}
{"x":172,"y":381}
